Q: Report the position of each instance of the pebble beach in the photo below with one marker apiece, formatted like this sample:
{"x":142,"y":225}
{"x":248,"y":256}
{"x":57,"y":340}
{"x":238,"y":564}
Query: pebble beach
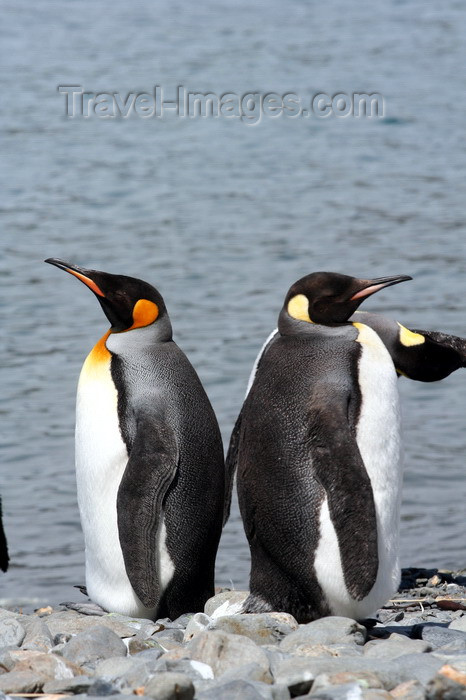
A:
{"x":413,"y":648}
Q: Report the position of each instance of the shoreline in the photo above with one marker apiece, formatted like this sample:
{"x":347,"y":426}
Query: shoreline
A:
{"x":414,"y":648}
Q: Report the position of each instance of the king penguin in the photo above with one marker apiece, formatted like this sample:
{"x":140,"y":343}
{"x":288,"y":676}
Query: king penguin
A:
{"x":318,"y":452}
{"x":149,"y":459}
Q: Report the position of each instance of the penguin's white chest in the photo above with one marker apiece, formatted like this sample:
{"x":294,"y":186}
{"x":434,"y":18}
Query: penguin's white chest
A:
{"x":101,"y":459}
{"x":379,"y":442}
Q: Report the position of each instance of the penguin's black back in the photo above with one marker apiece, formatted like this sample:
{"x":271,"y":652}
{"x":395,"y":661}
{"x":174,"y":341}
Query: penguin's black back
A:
{"x":305,"y":393}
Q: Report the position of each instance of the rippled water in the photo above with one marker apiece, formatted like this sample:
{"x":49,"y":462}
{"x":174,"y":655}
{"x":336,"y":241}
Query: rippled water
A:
{"x":222,"y":217}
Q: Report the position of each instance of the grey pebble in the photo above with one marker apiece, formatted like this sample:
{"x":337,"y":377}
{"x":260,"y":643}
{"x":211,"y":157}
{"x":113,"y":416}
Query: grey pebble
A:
{"x":170,"y":686}
{"x":71,"y":622}
{"x":150,"y":656}
{"x":198,"y":623}
{"x":174,"y":634}
{"x":458,"y":624}
{"x":93,"y":645}
{"x":410,"y":690}
{"x":68,"y":686}
{"x":195,"y":670}
{"x":21,"y":682}
{"x":243,"y":690}
{"x":327,"y":630}
{"x":438,"y":636}
{"x":102,"y":688}
{"x":364,"y":679}
{"x":262,"y":628}
{"x":12,"y":632}
{"x":38,"y":637}
{"x":131,"y":671}
{"x":345,"y":691}
{"x":249,"y":672}
{"x":420,"y":667}
{"x":223,"y":651}
{"x":296,"y":670}
{"x":393,"y":647}
{"x":225,"y":603}
{"x":443,"y":688}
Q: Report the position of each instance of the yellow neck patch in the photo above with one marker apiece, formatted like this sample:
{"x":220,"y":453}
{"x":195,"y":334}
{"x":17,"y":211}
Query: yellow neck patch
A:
{"x":365,"y":334}
{"x":408,"y":338}
{"x":98,"y":358}
{"x":145,"y":312}
{"x":298,"y":307}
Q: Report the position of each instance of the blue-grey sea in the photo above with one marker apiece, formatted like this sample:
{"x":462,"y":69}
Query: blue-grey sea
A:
{"x":222,"y":215}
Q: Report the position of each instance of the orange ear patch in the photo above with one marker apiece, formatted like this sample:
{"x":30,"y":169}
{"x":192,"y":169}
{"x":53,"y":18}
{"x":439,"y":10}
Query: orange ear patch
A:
{"x":145,"y":312}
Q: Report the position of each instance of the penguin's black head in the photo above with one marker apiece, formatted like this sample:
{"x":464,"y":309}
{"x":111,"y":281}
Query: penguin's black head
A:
{"x":328,"y":297}
{"x":127,"y":302}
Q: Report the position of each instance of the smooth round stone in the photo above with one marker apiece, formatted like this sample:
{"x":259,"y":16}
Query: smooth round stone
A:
{"x":12,"y":632}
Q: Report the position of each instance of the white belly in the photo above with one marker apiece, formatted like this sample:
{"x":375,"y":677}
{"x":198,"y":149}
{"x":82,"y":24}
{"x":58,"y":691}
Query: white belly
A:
{"x":378,"y":439}
{"x":101,"y":459}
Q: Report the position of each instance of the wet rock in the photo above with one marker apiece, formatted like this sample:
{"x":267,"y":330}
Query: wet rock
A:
{"x":93,"y":645}
{"x":225,"y":603}
{"x":12,"y":632}
{"x":21,"y":682}
{"x":409,"y":690}
{"x":223,"y":651}
{"x":38,"y":637}
{"x":393,"y":647}
{"x":327,"y":630}
{"x":263,"y":628}
{"x":69,"y":686}
{"x":170,"y":686}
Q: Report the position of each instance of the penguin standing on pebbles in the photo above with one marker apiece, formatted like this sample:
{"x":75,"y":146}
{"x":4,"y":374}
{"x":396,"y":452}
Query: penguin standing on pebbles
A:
{"x":317,"y":449}
{"x":149,"y":460}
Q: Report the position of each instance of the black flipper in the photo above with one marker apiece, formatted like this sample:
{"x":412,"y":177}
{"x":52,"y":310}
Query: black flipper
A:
{"x":349,"y":495}
{"x":232,"y":454}
{"x":231,"y":462}
{"x":4,"y":558}
{"x":150,"y":470}
{"x":426,"y":356}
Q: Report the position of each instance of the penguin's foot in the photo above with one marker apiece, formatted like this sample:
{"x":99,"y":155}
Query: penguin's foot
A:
{"x":85,"y":608}
{"x":256,"y":604}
